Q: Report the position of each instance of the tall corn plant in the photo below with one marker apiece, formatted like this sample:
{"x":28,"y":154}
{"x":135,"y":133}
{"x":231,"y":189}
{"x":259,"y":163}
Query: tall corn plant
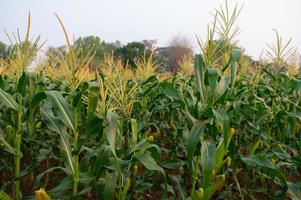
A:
{"x":70,"y":63}
{"x":20,"y":58}
{"x":212,"y":86}
{"x":267,"y":122}
{"x":63,"y":117}
{"x":280,"y":52}
{"x":220,"y":41}
{"x":75,"y":69}
{"x":22,"y":55}
{"x":78,"y":66}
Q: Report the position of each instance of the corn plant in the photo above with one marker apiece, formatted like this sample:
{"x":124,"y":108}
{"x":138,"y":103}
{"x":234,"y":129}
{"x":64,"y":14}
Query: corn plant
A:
{"x":212,"y":132}
{"x":220,"y":41}
{"x":280,"y":52}
{"x":20,"y":59}
{"x":117,"y":88}
{"x":146,"y":66}
{"x":186,"y":65}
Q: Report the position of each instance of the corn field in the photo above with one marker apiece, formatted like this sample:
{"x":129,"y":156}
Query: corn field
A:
{"x":219,"y":128}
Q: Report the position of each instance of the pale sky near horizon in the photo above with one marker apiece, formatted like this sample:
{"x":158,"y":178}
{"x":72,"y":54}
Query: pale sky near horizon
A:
{"x":135,"y":20}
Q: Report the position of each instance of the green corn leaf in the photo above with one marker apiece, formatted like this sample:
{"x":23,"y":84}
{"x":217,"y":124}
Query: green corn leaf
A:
{"x":143,"y":145}
{"x":180,"y":186}
{"x":294,"y":190}
{"x":235,"y":56}
{"x":219,"y":156}
{"x":5,"y":146}
{"x":22,"y":82}
{"x":194,"y":139}
{"x":110,"y":185}
{"x":282,"y":154}
{"x":258,"y":160}
{"x":111,"y":130}
{"x":52,"y":169}
{"x":134,"y":132}
{"x":212,"y":76}
{"x":4,"y":196}
{"x":78,"y":96}
{"x":64,"y":185}
{"x":297,"y":85}
{"x":210,"y":190}
{"x":199,"y":71}
{"x":64,"y":109}
{"x":92,"y":100}
{"x":37,"y":99}
{"x":271,"y":75}
{"x":255,"y":147}
{"x":148,"y":162}
{"x":8,"y":100}
{"x":172,"y":163}
{"x":55,"y":125}
{"x":221,"y":88}
{"x":2,"y":82}
{"x":223,"y":121}
{"x":208,"y":152}
{"x":170,"y":91}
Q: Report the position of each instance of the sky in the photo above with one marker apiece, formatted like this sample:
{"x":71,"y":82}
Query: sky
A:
{"x":136,"y":20}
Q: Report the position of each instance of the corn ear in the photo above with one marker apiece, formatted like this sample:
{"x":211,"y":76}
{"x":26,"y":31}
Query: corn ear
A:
{"x":42,"y":195}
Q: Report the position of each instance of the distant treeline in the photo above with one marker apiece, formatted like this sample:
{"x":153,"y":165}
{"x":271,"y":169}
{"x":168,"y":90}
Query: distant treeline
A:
{"x":168,"y":56}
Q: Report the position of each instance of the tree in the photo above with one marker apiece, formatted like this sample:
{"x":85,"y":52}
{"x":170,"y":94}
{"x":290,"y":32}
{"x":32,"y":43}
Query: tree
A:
{"x":178,"y":47}
{"x":94,"y":43}
{"x":133,"y":50}
{"x":3,"y":50}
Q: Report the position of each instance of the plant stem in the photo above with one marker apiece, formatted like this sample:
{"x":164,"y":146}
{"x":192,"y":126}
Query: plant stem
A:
{"x":75,"y":176}
{"x":298,"y":102}
{"x":76,"y":173}
{"x":18,"y":148}
{"x":238,"y":185}
{"x":30,"y":122}
{"x":195,"y":175}
{"x":194,"y":180}
{"x":300,"y":145}
{"x":17,"y":167}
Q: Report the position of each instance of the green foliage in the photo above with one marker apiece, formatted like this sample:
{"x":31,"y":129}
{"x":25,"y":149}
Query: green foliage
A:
{"x":132,"y":50}
{"x":3,"y":50}
{"x":101,"y":48}
{"x":214,"y":134}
